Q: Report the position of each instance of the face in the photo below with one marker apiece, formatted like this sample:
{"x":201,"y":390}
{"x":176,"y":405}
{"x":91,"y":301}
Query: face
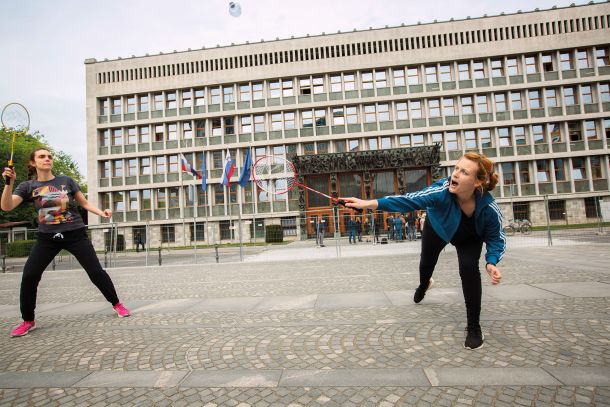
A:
{"x":43,"y":160}
{"x":464,"y":177}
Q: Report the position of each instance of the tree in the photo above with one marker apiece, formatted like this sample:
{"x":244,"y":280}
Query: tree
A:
{"x":25,"y":143}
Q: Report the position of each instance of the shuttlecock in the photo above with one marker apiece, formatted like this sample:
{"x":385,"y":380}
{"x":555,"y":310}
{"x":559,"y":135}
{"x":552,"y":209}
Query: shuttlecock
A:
{"x":234,"y":9}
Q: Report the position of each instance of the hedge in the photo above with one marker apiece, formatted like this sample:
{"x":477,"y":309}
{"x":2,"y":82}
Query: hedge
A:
{"x":21,"y":248}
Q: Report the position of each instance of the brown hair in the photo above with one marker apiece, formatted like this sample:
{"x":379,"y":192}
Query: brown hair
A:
{"x":485,"y":171}
{"x":32,"y":174}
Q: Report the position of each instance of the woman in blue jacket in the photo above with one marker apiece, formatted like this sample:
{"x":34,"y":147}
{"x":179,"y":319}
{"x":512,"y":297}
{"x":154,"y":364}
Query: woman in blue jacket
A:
{"x":461,"y":211}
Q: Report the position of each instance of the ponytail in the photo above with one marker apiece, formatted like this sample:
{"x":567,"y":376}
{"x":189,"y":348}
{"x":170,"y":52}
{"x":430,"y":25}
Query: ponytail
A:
{"x":485,"y":171}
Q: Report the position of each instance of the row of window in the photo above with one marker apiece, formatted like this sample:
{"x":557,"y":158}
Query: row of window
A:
{"x":361,"y":48}
{"x":378,"y":78}
{"x":368,"y":113}
{"x":519,"y":173}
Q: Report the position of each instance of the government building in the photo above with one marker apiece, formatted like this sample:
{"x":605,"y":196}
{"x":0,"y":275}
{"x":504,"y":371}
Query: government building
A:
{"x":364,"y":113}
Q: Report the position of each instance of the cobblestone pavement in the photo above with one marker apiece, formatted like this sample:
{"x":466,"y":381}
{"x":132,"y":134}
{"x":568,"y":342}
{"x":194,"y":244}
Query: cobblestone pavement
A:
{"x":316,"y":330}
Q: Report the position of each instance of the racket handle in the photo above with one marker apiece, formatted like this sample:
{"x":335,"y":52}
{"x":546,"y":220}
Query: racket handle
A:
{"x":342,"y":203}
{"x":7,"y":180}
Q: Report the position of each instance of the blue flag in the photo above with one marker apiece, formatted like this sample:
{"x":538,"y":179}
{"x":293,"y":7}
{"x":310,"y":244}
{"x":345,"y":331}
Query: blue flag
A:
{"x":244,"y":178}
{"x":204,"y":183}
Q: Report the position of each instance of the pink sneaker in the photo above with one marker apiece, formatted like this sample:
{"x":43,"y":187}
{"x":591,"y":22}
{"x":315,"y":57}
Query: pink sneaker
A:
{"x":121,"y":311}
{"x":23,"y":329}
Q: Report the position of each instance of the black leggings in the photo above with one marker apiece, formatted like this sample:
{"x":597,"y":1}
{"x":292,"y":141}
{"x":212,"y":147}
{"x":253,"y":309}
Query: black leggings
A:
{"x":46,"y":248}
{"x":468,"y":251}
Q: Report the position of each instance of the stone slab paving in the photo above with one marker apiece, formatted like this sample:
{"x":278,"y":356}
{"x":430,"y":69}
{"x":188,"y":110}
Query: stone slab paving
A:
{"x":316,"y":332}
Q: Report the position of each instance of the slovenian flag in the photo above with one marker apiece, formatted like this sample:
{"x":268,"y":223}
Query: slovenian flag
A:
{"x":187,"y":167}
{"x":228,"y":171}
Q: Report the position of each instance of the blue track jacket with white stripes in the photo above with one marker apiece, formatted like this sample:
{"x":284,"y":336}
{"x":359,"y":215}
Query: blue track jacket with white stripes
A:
{"x":444,"y":215}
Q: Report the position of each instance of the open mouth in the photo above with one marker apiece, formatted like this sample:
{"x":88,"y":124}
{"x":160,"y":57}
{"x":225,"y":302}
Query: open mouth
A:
{"x":454,"y":183}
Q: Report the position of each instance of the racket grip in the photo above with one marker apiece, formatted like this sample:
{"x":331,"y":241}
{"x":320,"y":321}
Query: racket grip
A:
{"x":342,"y":203}
{"x":7,"y":180}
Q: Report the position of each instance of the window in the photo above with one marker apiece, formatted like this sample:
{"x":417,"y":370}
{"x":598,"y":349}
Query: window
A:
{"x":535,"y":98}
{"x":508,"y":172}
{"x":470,"y":137}
{"x":320,"y":116}
{"x":417,"y":140}
{"x":434,"y":108}
{"x":105,"y":169}
{"x":519,"y":135}
{"x":161,"y":198}
{"x":305,"y":86}
{"x":145,"y":166}
{"x":607,"y":128}
{"x":227,"y":94}
{"x":413,"y":76}
{"x":158,"y":101}
{"x":398,"y":75}
{"x":338,"y":116}
{"x":187,"y":130}
{"x":602,"y":57}
{"x":133,"y":201}
{"x":485,"y":138}
{"x":245,"y":124}
{"x":596,"y":167}
{"x":351,"y":113}
{"x":104,"y":138}
{"x":257,"y":91}
{"x":543,"y":171}
{"x":592,"y":209}
{"x":437,"y":138}
{"x":259,"y":123}
{"x":590,"y":130}
{"x":404,"y":141}
{"x":539,"y":134}
{"x":116,"y":106}
{"x":229,"y":123}
{"x":579,"y":168}
{"x":478,"y":69}
{"x":482,"y":104}
{"x":451,"y":140}
{"x":547,"y":63}
{"x":131,"y":104}
{"x":464,"y":71}
{"x":431,"y":76}
{"x":531,"y":65}
{"x":448,"y":107}
{"x":500,"y":101}
{"x":583,"y":58}
{"x":117,"y":137}
{"x":569,"y":96}
{"x":380,"y":79}
{"x":354,"y":145}
{"x":307,"y":118}
{"x":168,"y":234}
{"x":170,"y":100}
{"x":103,"y":107}
{"x":145,"y":199}
{"x":521,"y":210}
{"x":197,"y":232}
{"x":187,"y":100}
{"x":386,"y":142}
{"x":574,"y":131}
{"x":416,"y":111}
{"x":335,"y":83}
{"x":402,"y":112}
{"x":445,"y":73}
{"x":512,"y":67}
{"x":199,"y":97}
{"x":132,"y":167}
{"x":604,"y":92}
{"x":467,"y":106}
{"x":372,"y":143}
{"x":287,"y":88}
{"x":173,"y":163}
{"x":131,"y":135}
{"x":215,"y":96}
{"x":349,"y":82}
{"x":217,"y":126}
{"x":524,"y":172}
{"x":160,"y":164}
{"x":505,"y":138}
{"x":560,"y":169}
{"x":318,"y":85}
{"x":565,"y":61}
{"x":516,"y":101}
{"x":367,"y":80}
{"x":497,"y":68}
{"x":551,"y":97}
{"x":118,"y":201}
{"x":143,"y":103}
{"x":557,"y":209}
{"x":586,"y":94}
{"x":159,"y":132}
{"x":245,"y":93}
{"x":172,"y":131}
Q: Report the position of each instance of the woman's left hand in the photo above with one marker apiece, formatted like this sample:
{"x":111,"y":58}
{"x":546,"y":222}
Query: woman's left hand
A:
{"x":494,"y":274}
{"x":106,"y":213}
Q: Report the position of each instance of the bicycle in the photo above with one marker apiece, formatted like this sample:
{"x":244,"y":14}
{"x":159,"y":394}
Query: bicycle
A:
{"x":522,"y":226}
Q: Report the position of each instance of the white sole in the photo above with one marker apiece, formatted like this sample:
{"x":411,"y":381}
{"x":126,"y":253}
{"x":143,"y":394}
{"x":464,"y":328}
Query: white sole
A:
{"x":19,"y":336}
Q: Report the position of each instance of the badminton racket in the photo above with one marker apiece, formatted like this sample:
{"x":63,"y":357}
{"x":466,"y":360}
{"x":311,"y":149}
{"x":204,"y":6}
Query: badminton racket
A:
{"x":276,"y":175}
{"x":16,"y":119}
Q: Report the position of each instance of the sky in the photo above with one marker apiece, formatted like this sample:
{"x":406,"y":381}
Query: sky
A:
{"x":43,"y":44}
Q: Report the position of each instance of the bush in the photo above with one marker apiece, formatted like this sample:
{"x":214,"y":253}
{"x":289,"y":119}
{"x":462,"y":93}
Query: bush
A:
{"x":21,"y":248}
{"x":274,"y":234}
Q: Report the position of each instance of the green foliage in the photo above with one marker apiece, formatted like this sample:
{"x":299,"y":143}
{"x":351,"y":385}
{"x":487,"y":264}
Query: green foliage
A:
{"x":24,"y":145}
{"x":274,"y":234}
{"x":20,"y":248}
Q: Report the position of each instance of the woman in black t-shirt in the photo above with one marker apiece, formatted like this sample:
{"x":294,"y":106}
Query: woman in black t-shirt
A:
{"x":60,"y":227}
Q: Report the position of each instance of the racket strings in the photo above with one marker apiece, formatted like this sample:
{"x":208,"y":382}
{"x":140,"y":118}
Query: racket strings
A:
{"x":274,"y":175}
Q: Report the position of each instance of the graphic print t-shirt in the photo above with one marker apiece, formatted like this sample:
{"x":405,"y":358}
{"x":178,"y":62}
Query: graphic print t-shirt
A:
{"x":54,"y":202}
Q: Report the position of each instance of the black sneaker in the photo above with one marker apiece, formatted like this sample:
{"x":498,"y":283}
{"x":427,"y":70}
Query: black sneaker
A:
{"x":474,"y":338}
{"x":420,"y":293}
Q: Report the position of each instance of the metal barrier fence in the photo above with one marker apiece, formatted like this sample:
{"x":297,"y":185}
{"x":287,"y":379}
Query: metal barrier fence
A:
{"x":194,"y":241}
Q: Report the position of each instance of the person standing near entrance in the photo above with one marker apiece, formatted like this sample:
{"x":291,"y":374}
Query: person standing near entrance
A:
{"x":139,"y":242}
{"x":320,"y":222}
{"x":461,"y":211}
{"x":60,"y":227}
{"x":351,"y":225}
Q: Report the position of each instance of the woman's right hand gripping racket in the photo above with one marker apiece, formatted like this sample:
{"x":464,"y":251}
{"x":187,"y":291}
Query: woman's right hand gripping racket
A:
{"x":15,"y":119}
{"x":276,"y":175}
